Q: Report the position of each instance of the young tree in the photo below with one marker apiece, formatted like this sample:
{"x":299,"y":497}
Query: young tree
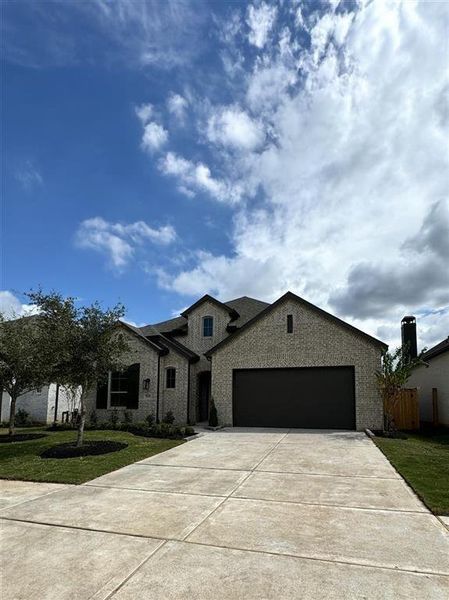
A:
{"x":396,"y":369}
{"x":25,"y":359}
{"x":87,"y":341}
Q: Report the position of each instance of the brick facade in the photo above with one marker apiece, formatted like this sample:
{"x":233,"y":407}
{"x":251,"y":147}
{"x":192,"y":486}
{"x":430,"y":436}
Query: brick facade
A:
{"x":200,"y":344}
{"x":316,"y":341}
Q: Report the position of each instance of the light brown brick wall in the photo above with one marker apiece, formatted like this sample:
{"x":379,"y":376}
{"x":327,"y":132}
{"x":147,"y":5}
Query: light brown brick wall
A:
{"x":199,"y":344}
{"x":174,"y":399}
{"x":316,"y":341}
{"x":141,"y":352}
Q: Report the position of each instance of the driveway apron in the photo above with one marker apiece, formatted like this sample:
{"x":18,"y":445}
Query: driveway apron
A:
{"x":259,"y":514}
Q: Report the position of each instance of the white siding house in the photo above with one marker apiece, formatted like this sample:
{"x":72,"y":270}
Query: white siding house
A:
{"x":435,"y":375}
{"x":40,"y":405}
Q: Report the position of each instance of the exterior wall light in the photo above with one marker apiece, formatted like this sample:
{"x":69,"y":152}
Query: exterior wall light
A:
{"x":146,"y":384}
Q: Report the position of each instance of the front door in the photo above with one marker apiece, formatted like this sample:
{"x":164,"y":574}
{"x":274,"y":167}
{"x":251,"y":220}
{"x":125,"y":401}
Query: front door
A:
{"x":204,"y":394}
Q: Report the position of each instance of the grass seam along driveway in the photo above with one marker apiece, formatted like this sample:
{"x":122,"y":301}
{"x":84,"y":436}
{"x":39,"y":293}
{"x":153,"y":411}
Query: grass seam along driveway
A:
{"x":423,"y":461}
{"x":21,"y":460}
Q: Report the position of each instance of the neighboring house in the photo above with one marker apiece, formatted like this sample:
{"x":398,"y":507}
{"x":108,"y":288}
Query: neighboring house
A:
{"x":40,"y":405}
{"x":435,"y":375}
{"x":286,"y":364}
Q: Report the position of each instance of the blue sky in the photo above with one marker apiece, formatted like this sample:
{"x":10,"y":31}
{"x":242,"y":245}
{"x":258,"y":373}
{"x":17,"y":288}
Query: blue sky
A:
{"x":154,"y":152}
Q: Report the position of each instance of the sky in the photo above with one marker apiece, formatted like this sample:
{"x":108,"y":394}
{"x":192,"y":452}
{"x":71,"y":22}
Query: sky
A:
{"x":157,"y":151}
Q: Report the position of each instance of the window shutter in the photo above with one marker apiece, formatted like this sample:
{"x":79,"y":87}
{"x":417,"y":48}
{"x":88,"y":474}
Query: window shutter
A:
{"x":133,"y":374}
{"x":102,"y":395}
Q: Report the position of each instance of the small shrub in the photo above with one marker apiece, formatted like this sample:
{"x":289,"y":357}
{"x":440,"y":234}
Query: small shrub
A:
{"x":213,"y":416}
{"x":161,"y":430}
{"x":93,"y":419}
{"x":61,"y":427}
{"x":22,"y":418}
{"x":150,"y":420}
{"x":169,"y":418}
{"x":127,"y":417}
{"x":113,"y":418}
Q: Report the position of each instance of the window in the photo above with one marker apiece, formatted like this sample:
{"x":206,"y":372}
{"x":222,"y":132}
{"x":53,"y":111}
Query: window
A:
{"x":121,"y":388}
{"x":289,"y":323}
{"x":118,"y":388}
{"x":208,"y":326}
{"x":171,"y":377}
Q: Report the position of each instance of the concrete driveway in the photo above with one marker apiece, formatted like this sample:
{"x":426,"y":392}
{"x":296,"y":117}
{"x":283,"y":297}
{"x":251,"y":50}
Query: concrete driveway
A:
{"x":253,"y":514}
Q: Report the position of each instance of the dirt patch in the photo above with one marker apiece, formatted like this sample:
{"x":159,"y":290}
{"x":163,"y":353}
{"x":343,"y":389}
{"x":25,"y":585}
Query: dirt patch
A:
{"x":87,"y":449}
{"x":20,"y":437}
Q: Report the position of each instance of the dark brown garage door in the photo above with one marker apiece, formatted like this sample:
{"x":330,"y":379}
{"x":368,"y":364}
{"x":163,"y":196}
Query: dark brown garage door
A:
{"x":316,"y":398}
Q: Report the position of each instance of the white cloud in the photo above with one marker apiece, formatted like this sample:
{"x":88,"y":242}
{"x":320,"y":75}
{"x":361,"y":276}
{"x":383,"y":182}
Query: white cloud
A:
{"x":118,"y":241}
{"x":145,"y":112}
{"x":233,"y":127}
{"x":28,"y":175}
{"x":154,"y":137}
{"x":146,"y":33}
{"x":260,"y":21}
{"x":177,"y":106}
{"x":11,"y":307}
{"x":197,"y":177}
{"x":355,"y":159}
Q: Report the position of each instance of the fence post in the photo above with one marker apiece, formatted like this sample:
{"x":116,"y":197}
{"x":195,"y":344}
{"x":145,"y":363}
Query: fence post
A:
{"x":436,"y":420}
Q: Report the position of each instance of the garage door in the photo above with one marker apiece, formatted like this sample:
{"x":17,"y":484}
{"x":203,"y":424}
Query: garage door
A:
{"x":317,"y":398}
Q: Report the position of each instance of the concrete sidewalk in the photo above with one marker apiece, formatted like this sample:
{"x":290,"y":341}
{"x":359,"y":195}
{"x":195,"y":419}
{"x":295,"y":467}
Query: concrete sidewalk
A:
{"x":254,"y":514}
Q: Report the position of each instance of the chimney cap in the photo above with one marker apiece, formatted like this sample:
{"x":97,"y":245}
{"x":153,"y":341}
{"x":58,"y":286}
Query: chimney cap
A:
{"x":408,"y":319}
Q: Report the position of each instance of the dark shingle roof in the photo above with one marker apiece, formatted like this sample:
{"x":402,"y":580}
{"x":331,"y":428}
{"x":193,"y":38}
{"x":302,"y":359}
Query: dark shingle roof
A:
{"x":247,"y":308}
{"x":164,"y":326}
{"x":436,"y":350}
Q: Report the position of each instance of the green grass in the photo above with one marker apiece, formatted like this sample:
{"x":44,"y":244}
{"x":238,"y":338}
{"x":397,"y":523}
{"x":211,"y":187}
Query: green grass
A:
{"x":21,"y":460}
{"x":423,"y":461}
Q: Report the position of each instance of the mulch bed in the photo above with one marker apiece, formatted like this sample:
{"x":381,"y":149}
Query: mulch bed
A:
{"x":20,"y":437}
{"x":69,"y":450}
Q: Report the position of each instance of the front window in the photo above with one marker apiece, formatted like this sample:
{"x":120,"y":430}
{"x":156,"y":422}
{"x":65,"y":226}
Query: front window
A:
{"x":119,"y":388}
{"x":171,"y":377}
{"x":208,"y":326}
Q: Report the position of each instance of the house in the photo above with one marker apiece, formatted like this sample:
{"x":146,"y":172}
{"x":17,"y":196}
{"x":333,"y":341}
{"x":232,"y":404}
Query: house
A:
{"x":285,"y":364}
{"x":43,"y":406}
{"x":434,"y":375}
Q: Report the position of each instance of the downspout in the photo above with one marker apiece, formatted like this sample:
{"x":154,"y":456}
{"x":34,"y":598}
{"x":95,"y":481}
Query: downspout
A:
{"x":56,"y":403}
{"x":157,"y":391}
{"x":188,"y":393}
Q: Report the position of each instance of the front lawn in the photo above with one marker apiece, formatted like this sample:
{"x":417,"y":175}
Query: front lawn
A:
{"x":21,"y":460}
{"x":423,"y":461}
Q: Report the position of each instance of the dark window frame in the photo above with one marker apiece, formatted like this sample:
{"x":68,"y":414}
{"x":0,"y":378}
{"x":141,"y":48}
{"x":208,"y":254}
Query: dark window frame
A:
{"x":120,"y":389}
{"x":120,"y":395}
{"x":170,"y":378}
{"x":289,"y":323}
{"x":208,"y":326}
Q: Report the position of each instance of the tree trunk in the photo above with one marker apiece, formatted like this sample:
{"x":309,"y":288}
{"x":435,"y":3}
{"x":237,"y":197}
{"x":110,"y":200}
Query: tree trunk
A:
{"x":82,"y":419}
{"x":12,"y":415}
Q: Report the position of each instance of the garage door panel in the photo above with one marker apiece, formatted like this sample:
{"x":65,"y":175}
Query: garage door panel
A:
{"x":319,"y":397}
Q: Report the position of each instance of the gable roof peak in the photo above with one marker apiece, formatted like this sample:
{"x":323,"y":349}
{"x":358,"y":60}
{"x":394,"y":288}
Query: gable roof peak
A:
{"x":296,"y":298}
{"x":208,"y":298}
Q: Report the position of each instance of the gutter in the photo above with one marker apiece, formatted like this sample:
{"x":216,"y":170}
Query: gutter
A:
{"x":188,"y":393}
{"x":157,"y":390}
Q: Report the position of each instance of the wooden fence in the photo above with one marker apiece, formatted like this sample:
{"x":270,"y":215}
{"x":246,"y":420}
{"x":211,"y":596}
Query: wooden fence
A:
{"x":406,"y":410}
